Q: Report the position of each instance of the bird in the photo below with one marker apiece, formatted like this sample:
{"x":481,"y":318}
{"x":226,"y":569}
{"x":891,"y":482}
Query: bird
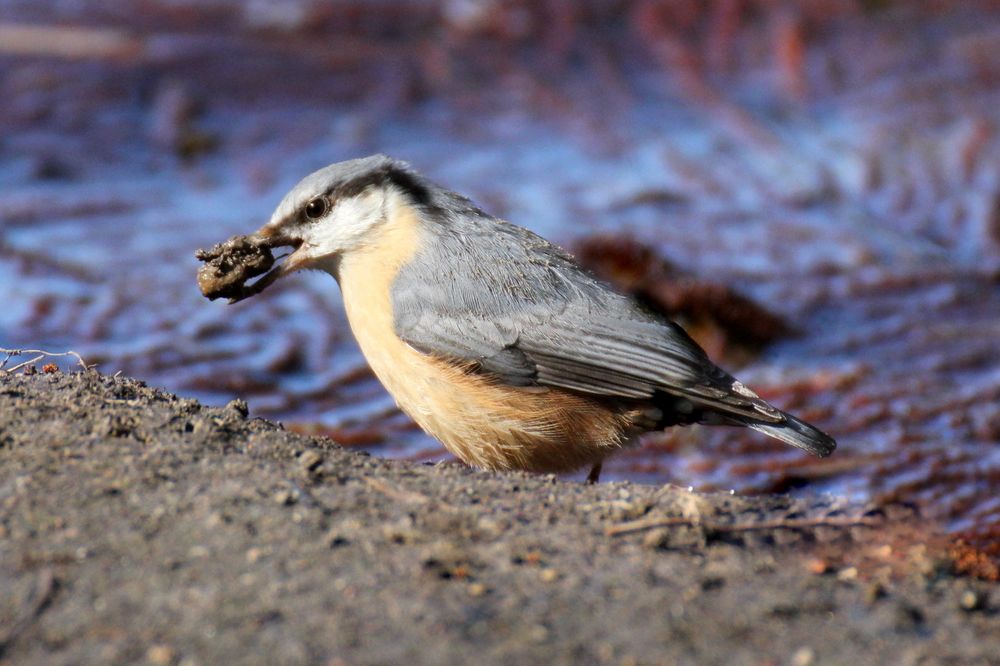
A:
{"x":495,"y":341}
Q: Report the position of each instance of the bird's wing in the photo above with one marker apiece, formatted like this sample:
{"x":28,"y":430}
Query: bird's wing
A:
{"x":595,"y":354}
{"x":529,"y":315}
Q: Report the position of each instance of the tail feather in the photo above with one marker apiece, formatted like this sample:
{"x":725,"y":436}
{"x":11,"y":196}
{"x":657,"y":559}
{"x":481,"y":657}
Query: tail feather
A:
{"x":798,"y":433}
{"x":740,"y":406}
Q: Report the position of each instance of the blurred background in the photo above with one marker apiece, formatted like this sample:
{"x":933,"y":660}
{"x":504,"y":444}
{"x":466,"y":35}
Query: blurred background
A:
{"x":812,"y":187}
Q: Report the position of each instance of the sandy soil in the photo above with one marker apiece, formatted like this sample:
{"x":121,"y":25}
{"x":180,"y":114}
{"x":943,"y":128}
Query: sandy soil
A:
{"x":140,"y":526}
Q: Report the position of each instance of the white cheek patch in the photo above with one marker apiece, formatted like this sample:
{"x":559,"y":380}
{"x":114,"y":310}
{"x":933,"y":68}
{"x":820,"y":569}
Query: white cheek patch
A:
{"x":347,"y":224}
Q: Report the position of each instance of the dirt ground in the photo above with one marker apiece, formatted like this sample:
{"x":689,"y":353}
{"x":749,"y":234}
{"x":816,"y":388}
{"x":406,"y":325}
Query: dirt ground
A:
{"x":138,"y":526}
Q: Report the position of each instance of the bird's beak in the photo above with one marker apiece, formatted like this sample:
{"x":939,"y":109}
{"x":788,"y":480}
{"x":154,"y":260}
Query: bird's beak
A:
{"x":274,"y":238}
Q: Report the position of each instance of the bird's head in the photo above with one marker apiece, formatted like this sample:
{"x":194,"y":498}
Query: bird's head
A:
{"x":336,"y":210}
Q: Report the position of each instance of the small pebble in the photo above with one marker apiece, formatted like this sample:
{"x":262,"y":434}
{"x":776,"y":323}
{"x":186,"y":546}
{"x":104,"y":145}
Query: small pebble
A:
{"x":335,"y":539}
{"x":310,"y":460}
{"x":804,"y":656}
{"x":848,"y":574}
{"x":239,"y":406}
{"x":972,"y":601}
{"x":657,"y":538}
{"x":538,"y":634}
{"x":285,"y":497}
{"x":160,"y":655}
{"x":818,"y":566}
{"x":874,"y":592}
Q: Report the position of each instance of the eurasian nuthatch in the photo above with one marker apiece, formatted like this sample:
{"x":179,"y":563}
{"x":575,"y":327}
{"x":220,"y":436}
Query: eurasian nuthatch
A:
{"x":495,"y":341}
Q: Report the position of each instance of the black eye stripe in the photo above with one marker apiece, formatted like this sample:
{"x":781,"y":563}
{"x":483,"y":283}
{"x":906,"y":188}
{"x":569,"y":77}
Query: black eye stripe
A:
{"x":317,"y":208}
{"x":394,"y":175}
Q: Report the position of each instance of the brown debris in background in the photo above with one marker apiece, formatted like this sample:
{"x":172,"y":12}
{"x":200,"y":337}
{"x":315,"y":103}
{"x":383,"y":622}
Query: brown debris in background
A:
{"x":716,"y":315}
{"x":977,"y":555}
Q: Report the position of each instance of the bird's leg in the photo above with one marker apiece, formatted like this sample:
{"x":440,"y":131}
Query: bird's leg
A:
{"x":595,"y":472}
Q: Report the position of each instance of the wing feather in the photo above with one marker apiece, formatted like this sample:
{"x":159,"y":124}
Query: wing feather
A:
{"x":497,"y":297}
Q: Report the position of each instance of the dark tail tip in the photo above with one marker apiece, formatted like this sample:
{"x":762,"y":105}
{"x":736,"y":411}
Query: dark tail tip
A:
{"x":798,"y":433}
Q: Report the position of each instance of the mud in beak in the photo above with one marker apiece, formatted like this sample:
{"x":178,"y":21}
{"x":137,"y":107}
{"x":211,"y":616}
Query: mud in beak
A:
{"x":244,"y":266}
{"x":284,"y":264}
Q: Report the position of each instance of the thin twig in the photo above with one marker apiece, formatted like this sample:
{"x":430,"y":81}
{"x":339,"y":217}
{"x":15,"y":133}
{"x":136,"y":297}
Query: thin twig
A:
{"x":42,"y":354}
{"x":780,"y":523}
{"x":406,"y":496}
{"x":67,"y":41}
{"x":28,"y":362}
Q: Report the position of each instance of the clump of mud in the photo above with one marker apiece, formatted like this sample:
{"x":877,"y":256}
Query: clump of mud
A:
{"x":231,"y":264}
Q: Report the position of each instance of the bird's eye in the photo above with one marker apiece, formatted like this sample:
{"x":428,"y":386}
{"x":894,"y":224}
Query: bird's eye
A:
{"x":317,"y":208}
